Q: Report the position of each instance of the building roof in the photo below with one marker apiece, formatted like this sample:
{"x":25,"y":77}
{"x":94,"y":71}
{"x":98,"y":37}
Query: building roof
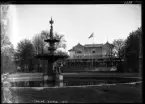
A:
{"x":93,"y":45}
{"x":71,"y":50}
{"x":78,"y":45}
{"x":108,"y":44}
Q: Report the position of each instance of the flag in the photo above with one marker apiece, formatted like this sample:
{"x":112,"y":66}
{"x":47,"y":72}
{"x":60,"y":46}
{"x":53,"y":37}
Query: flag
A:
{"x":91,"y":35}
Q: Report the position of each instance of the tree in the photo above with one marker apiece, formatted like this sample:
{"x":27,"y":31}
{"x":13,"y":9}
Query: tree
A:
{"x":118,"y":45}
{"x":7,"y":60}
{"x":129,"y":52}
{"x":24,"y":55}
{"x":4,"y":27}
{"x":132,"y":50}
{"x":61,"y":44}
{"x":38,"y":43}
{"x":7,"y":50}
{"x":39,"y":48}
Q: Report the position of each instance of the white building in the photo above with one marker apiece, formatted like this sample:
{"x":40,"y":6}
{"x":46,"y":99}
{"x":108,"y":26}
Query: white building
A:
{"x":88,"y":51}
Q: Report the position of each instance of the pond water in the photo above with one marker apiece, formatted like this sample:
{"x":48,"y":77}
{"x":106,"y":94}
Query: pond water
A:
{"x":9,"y":97}
{"x":13,"y":94}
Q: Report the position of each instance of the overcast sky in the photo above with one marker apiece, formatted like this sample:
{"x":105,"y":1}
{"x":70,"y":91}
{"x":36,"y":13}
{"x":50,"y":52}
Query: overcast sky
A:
{"x":76,"y":22}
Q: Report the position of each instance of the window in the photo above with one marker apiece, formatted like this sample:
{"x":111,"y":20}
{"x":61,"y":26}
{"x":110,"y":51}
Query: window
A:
{"x":93,"y":51}
{"x":79,"y":51}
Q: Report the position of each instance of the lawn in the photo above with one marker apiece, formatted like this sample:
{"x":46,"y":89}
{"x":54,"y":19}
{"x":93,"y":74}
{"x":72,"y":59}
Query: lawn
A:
{"x":119,"y":93}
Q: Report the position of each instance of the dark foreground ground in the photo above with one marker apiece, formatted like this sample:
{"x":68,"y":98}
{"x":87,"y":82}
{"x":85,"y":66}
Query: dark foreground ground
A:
{"x":93,"y":94}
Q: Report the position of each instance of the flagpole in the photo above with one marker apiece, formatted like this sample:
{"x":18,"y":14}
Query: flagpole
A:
{"x":92,"y":57}
{"x":93,"y":39}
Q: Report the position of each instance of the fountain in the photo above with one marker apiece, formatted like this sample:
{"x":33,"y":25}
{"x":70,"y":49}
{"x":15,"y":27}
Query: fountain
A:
{"x":50,"y":76}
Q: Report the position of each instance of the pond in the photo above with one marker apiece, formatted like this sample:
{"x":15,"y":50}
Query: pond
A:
{"x":36,"y":85}
{"x":67,"y":94}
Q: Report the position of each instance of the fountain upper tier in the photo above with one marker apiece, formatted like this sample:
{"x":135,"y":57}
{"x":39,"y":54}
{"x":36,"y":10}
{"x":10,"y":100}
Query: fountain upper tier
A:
{"x":52,"y":40}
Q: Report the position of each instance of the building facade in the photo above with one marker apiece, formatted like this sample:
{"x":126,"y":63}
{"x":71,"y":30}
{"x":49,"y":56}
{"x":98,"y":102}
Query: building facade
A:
{"x":91,"y":51}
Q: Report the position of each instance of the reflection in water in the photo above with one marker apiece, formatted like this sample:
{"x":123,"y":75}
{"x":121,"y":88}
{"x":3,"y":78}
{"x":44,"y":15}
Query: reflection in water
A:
{"x":6,"y":92}
{"x":7,"y":96}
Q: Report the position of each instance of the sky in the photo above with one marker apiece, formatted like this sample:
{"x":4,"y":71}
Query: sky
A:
{"x":75,"y":22}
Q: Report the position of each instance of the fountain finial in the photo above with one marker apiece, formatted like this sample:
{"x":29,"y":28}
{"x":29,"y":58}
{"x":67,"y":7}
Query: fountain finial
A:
{"x":51,"y":21}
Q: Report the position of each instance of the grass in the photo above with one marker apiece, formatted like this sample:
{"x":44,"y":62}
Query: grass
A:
{"x":103,"y":94}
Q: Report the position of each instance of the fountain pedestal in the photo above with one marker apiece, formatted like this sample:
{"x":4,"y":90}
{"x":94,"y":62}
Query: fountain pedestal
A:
{"x":49,"y":75}
{"x":60,"y":80}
